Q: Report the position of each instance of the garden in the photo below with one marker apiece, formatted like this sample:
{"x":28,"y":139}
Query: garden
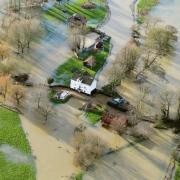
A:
{"x":64,"y":10}
{"x":65,"y":72}
{"x":15,"y":153}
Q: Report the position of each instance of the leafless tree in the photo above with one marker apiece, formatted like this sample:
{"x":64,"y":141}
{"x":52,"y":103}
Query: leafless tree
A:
{"x":46,"y":109}
{"x":178,"y":109}
{"x":88,"y":149}
{"x":18,"y":94}
{"x":22,"y":32}
{"x":5,"y":85}
{"x":4,"y":50}
{"x":166,"y":102}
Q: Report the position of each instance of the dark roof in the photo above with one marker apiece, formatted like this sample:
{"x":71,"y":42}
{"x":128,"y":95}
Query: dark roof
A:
{"x":84,"y":77}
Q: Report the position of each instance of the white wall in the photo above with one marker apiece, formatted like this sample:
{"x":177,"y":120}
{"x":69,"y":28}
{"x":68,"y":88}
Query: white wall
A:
{"x":85,"y":88}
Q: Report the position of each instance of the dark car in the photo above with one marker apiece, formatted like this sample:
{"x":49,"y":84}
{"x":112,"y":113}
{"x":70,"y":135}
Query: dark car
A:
{"x":119,"y":103}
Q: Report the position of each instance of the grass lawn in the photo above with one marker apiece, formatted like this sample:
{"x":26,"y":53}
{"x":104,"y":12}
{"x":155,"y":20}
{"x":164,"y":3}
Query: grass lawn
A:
{"x":12,"y":134}
{"x":65,"y":72}
{"x":94,"y":117}
{"x":177,"y":175}
{"x":144,"y":6}
{"x":65,"y":10}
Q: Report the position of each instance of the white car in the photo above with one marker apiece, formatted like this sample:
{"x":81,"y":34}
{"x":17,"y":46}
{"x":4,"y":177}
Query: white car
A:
{"x":63,"y":95}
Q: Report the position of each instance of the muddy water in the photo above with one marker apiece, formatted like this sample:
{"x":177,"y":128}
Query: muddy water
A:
{"x":168,"y":11}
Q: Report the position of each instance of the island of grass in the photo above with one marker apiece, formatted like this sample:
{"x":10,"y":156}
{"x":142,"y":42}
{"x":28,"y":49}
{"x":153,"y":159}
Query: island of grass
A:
{"x":66,"y":71}
{"x":62,"y":11}
{"x":144,"y":6}
{"x":16,"y":161}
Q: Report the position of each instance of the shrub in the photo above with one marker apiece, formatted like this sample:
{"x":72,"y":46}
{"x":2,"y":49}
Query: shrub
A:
{"x":50,"y":80}
{"x":109,"y":91}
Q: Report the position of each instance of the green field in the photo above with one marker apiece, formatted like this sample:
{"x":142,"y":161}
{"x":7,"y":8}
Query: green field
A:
{"x":65,"y":10}
{"x":13,"y":136}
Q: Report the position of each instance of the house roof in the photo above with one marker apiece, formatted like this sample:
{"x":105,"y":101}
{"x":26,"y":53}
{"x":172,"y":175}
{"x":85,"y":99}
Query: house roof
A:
{"x":85,"y":78}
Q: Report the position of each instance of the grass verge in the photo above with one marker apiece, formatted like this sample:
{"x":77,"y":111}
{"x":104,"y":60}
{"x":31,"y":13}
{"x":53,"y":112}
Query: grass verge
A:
{"x":12,"y":134}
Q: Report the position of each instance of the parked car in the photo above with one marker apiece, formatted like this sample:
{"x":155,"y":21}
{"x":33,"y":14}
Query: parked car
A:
{"x":62,"y":95}
{"x":119,"y":103}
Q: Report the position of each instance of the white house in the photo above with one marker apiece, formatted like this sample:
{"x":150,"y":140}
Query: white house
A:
{"x":83,"y":83}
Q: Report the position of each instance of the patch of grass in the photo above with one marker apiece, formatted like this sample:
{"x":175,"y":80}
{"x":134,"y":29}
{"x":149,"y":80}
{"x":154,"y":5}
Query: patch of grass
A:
{"x":177,"y":175}
{"x":94,"y":115}
{"x":144,"y":6}
{"x":64,"y":10}
{"x":79,"y":176}
{"x":11,"y":133}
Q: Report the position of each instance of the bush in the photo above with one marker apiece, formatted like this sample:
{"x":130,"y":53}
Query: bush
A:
{"x":50,"y":80}
{"x":109,"y":91}
{"x":88,"y":149}
{"x":141,"y":131}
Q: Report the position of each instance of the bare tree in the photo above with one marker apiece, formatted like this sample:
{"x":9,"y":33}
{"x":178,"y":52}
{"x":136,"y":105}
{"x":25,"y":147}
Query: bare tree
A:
{"x":5,"y":85}
{"x":178,"y":109}
{"x":22,"y":32}
{"x":38,"y":99}
{"x":142,"y":130}
{"x":165,"y":100}
{"x":18,"y":94}
{"x":88,"y":149}
{"x":46,"y":110}
{"x":128,"y":57}
{"x":4,"y":50}
{"x":119,"y":124}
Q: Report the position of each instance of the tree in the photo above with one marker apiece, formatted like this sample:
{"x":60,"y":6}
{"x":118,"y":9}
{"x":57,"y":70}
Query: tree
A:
{"x":5,"y":85}
{"x":77,"y":37}
{"x":137,"y":111}
{"x":119,"y":124}
{"x":4,"y":50}
{"x":88,"y":149}
{"x":22,"y":32}
{"x":38,"y":99}
{"x":46,"y":110}
{"x":178,"y":109}
{"x":159,"y":42}
{"x":165,"y":101}
{"x":128,"y":57}
{"x":18,"y":94}
{"x":161,"y":39}
{"x":142,"y":130}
